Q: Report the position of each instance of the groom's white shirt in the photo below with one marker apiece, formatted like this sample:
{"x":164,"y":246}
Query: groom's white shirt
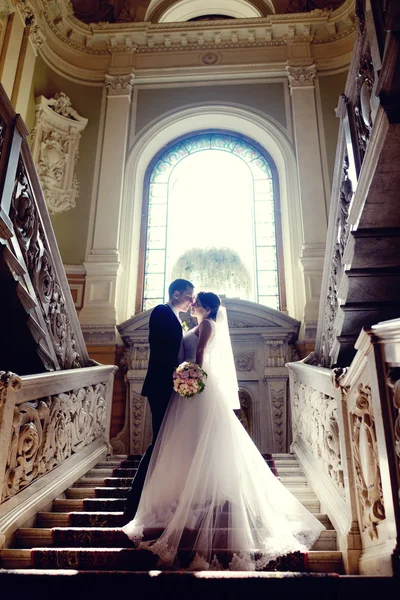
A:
{"x":181,"y":353}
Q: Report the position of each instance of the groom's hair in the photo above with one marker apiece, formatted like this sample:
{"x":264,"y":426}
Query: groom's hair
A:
{"x":179,"y":285}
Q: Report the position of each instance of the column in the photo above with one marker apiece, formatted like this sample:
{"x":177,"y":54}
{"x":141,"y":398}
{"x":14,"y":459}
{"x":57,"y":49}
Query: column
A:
{"x":31,"y":41}
{"x":312,"y":193}
{"x":103,"y":261}
{"x":13,"y":35}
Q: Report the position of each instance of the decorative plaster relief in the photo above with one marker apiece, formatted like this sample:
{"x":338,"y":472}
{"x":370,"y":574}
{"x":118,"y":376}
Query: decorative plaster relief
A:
{"x":315,"y":423}
{"x":49,"y":430}
{"x":366,"y":461}
{"x":55,"y":150}
{"x":119,"y":85}
{"x":301,"y":76}
{"x":245,"y":361}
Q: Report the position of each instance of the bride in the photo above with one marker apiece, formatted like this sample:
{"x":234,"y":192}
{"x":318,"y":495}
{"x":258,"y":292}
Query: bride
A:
{"x":208,"y":493}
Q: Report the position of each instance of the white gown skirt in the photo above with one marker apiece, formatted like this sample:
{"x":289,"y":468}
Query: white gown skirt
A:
{"x":209,"y":490}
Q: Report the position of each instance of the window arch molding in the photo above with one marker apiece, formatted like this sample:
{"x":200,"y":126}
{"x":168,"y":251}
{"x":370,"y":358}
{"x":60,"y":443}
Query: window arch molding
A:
{"x":165,"y":11}
{"x":238,"y":145}
{"x":264,"y":130}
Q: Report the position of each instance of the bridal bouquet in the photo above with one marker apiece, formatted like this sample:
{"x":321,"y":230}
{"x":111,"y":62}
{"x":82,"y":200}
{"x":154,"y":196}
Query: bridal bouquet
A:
{"x":189,"y":379}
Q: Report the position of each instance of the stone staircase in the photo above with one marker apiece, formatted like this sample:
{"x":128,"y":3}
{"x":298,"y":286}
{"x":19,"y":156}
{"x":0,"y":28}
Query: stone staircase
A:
{"x":82,"y":531}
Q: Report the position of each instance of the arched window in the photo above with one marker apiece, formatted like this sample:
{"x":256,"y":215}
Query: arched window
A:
{"x":213,"y":189}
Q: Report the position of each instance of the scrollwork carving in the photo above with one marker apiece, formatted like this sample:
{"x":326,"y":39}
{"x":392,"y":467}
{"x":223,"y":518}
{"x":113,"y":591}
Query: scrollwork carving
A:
{"x":8,"y":381}
{"x":47,"y":431}
{"x":362,"y":105}
{"x":393,"y":379}
{"x":119,"y":85}
{"x":342,"y":231}
{"x":366,"y":462}
{"x":301,"y":76}
{"x":315,"y":423}
{"x":137,"y":421}
{"x":245,"y":361}
{"x":55,"y":150}
{"x":33,"y":244}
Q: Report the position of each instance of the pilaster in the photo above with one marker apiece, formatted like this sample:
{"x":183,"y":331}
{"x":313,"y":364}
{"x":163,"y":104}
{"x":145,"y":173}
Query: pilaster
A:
{"x":14,"y":33}
{"x":311,"y":185}
{"x":32,"y":39}
{"x":103,"y":261}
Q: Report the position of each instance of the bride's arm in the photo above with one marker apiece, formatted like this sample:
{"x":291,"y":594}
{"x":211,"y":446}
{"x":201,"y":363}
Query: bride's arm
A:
{"x":205,"y":331}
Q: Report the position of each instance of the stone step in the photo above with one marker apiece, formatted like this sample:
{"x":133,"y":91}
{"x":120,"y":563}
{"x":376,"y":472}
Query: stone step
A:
{"x":373,"y":285}
{"x":109,"y":537}
{"x":111,"y":472}
{"x":108,"y":519}
{"x":81,"y":519}
{"x":130,"y":559}
{"x":110,"y":482}
{"x":375,"y":248}
{"x":97,"y":492}
{"x":299,"y":491}
{"x":319,"y":561}
{"x":113,"y":505}
{"x":91,"y":504}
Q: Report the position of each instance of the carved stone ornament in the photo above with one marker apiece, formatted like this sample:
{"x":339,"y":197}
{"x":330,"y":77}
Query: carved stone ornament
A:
{"x":300,"y":77}
{"x":315,"y":423}
{"x":342,"y":231}
{"x":55,"y":150}
{"x":244,"y":361}
{"x":362,"y":105}
{"x":119,"y":85}
{"x":39,"y":264}
{"x":47,"y":431}
{"x":244,"y":414}
{"x":210,"y":58}
{"x":393,"y":380}
{"x":8,"y":381}
{"x":366,"y":462}
{"x":32,"y":22}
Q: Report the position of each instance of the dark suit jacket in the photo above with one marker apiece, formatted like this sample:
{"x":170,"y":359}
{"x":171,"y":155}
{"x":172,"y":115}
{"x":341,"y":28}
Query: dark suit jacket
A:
{"x":165,"y":335}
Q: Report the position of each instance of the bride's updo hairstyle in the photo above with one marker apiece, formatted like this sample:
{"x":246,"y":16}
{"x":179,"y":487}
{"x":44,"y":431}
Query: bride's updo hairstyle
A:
{"x":211,"y":302}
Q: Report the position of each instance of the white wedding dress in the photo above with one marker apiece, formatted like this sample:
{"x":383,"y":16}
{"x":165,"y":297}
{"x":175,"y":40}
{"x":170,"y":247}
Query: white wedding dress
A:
{"x":209,"y":490}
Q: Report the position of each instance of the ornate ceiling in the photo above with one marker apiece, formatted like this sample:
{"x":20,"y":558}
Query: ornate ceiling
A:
{"x":125,"y":11}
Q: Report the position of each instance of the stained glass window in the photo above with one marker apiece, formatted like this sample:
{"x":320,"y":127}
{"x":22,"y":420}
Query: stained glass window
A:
{"x":168,"y":218}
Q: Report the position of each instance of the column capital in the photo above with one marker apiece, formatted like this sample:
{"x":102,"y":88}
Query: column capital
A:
{"x":6,"y":7}
{"x":119,"y":85}
{"x":301,"y":77}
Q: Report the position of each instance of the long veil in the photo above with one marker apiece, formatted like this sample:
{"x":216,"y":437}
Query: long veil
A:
{"x":221,"y":357}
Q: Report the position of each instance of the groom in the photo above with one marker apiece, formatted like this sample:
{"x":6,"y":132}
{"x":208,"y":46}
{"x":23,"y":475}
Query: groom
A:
{"x":165,"y":338}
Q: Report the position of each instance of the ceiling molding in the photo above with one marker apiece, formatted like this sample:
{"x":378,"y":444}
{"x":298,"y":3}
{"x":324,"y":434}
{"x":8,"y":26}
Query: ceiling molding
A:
{"x":86,"y":52}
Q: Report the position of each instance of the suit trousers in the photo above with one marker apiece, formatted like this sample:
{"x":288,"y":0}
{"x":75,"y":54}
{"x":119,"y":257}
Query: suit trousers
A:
{"x":158,"y":406}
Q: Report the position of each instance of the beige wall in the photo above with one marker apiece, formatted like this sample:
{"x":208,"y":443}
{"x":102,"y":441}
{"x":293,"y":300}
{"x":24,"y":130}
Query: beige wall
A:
{"x":331,"y":86}
{"x":265,"y":97}
{"x":71,"y":227}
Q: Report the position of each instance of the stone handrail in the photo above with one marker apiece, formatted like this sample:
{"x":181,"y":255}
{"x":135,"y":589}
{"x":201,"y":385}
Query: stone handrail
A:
{"x":53,"y":428}
{"x":319,"y":441}
{"x":360,"y":138}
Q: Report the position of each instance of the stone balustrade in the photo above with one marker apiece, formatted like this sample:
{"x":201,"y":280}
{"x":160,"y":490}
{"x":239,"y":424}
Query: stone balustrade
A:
{"x":53,"y":428}
{"x":319,"y":441}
